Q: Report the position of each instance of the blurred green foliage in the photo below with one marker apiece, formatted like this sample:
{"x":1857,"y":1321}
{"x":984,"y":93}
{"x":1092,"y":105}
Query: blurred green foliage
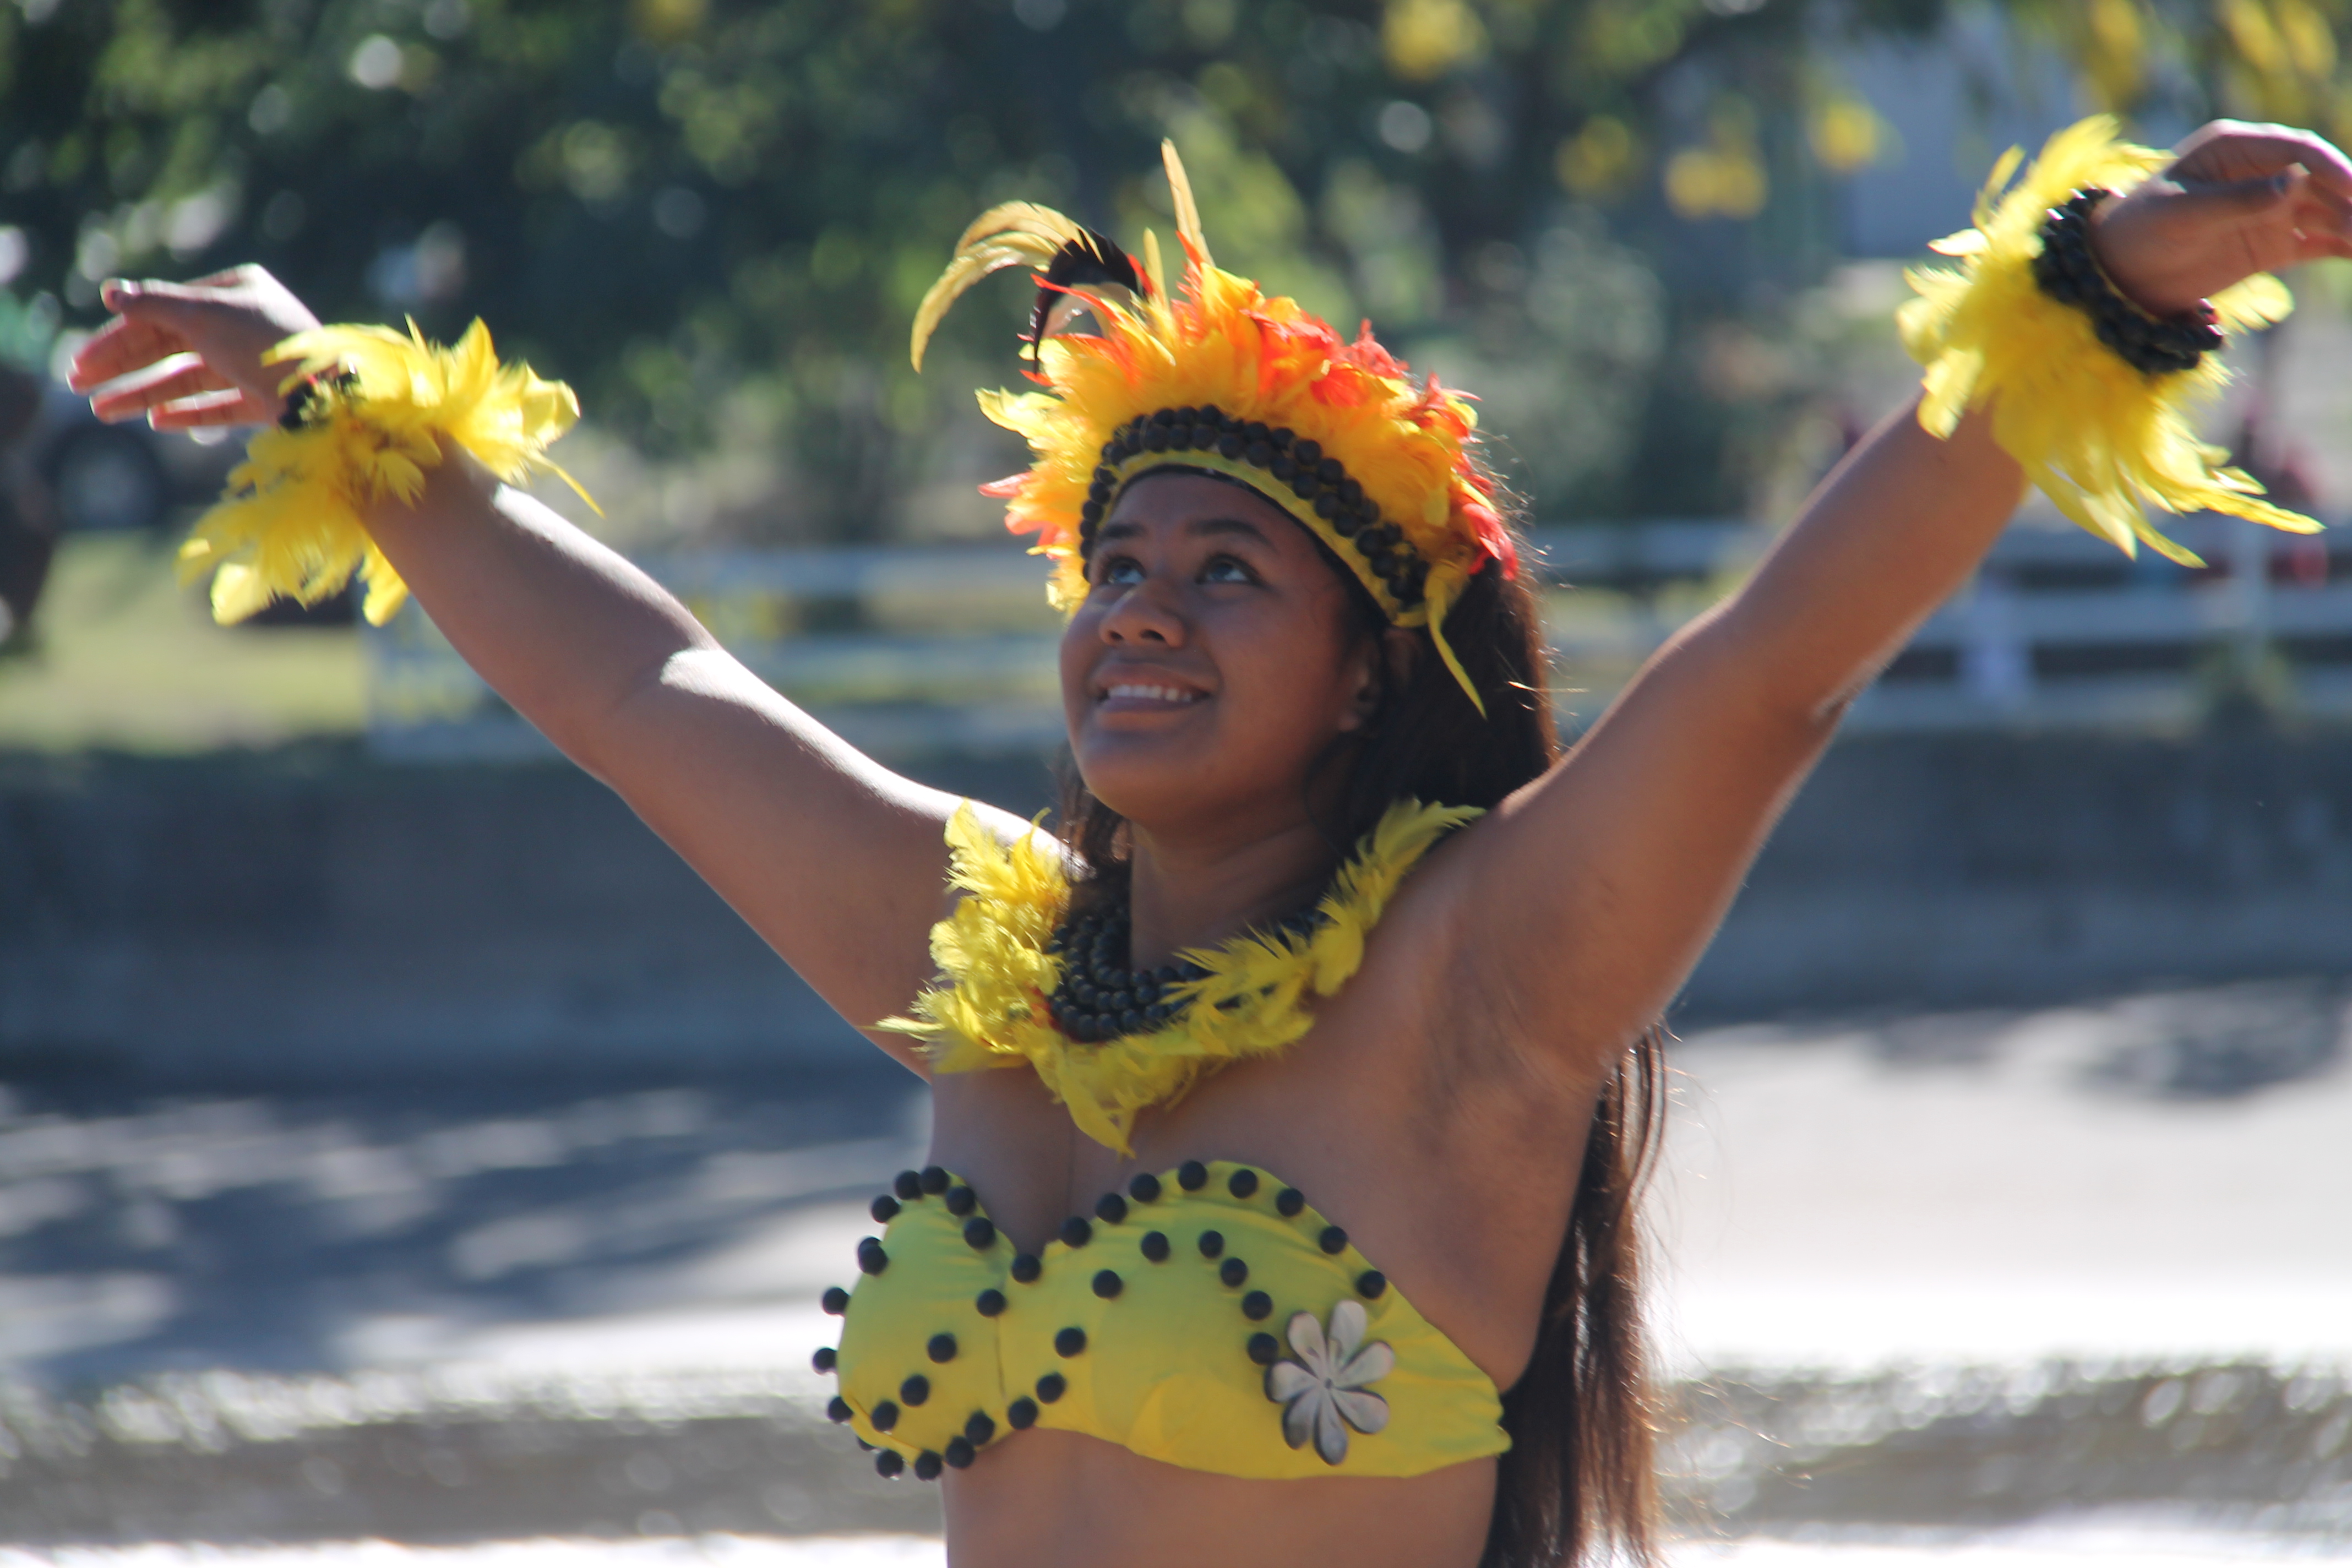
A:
{"x":716,"y":216}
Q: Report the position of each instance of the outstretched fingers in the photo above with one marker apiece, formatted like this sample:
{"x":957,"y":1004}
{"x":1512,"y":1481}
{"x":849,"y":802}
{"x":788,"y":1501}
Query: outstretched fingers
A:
{"x":166,"y":381}
{"x":124,"y":346}
{"x":233,"y":406}
{"x":232,"y":320}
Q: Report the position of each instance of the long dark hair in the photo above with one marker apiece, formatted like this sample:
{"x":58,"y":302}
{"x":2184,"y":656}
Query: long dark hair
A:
{"x":1580,"y":1476}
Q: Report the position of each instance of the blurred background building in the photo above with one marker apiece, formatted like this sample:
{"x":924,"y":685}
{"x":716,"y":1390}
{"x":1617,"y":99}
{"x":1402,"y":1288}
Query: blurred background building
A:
{"x":395,"y":1140}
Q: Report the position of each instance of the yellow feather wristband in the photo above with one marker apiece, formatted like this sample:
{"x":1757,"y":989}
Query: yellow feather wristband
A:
{"x":291,"y":523}
{"x":2102,"y":439}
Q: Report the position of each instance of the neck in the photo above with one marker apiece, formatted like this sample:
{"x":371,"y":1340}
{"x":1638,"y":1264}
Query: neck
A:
{"x":1198,"y":889}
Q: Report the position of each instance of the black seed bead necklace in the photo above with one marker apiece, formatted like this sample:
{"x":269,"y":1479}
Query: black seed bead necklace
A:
{"x":1100,"y":998}
{"x":1301,"y":464}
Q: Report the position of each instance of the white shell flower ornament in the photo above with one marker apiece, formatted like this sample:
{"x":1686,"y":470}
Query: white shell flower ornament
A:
{"x":1322,"y":1391}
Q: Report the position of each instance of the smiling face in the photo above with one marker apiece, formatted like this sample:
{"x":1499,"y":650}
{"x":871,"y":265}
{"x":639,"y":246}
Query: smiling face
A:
{"x":1215,"y":658}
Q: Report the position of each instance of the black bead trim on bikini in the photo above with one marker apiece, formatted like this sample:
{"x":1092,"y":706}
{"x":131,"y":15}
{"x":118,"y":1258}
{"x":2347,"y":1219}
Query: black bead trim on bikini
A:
{"x":1302,"y":466}
{"x":1243,"y":1184}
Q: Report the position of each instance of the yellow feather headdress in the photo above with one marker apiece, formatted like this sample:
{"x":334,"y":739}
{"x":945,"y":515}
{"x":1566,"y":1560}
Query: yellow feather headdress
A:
{"x":2102,"y":439}
{"x":1224,"y":379}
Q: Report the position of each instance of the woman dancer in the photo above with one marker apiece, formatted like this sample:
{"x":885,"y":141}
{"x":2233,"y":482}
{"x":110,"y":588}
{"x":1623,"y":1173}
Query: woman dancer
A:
{"x":1289,"y":1107}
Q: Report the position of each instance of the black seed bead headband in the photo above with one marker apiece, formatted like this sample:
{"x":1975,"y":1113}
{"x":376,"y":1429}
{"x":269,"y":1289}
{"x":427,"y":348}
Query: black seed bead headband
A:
{"x":2068,"y":270}
{"x":1280,"y":460}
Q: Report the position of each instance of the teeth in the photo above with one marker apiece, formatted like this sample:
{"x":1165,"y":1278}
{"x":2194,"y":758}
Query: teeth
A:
{"x":1150,"y":693}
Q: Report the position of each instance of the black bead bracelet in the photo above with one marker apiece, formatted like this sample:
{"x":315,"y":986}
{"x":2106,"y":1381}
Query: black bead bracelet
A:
{"x":2069,"y":272}
{"x":306,"y":403}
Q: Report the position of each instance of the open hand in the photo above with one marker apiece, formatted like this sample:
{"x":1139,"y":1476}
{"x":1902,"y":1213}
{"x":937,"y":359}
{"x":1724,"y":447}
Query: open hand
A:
{"x":189,"y":354}
{"x":2238,"y":199}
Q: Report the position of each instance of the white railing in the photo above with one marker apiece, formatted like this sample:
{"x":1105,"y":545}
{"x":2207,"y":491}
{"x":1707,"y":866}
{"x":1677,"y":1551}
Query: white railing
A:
{"x":906,"y":650}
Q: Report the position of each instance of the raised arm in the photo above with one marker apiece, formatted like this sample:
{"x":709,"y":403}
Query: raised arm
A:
{"x":1591,"y":894}
{"x":836,"y":861}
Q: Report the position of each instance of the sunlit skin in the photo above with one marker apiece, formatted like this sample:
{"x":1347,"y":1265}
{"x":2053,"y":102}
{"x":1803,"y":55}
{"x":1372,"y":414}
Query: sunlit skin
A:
{"x":1437,"y":1108}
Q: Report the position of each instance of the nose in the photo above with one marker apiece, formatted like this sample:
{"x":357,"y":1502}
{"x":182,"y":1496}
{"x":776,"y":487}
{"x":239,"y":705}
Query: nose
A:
{"x":1145,"y":614}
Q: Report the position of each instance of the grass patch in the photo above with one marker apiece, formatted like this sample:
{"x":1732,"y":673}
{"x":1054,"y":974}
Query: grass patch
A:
{"x":121,"y":659}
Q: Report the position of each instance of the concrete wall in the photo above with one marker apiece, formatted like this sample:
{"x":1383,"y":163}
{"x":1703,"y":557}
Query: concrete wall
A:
{"x":1987,"y":870}
{"x":312,"y":918}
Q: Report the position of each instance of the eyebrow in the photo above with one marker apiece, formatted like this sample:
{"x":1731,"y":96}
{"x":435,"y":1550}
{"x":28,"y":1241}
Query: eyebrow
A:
{"x":1200,"y":528}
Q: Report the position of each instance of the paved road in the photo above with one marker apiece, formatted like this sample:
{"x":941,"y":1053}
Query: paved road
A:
{"x":307,"y":1233}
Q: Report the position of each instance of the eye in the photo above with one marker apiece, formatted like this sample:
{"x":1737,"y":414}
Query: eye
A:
{"x":1118,"y":571}
{"x":1227,"y":569}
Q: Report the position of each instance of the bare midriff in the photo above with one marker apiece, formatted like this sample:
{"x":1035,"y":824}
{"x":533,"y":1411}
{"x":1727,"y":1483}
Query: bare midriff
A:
{"x":1060,"y":1499}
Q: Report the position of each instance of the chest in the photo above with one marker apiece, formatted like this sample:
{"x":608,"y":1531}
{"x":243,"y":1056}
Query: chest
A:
{"x":1307,"y":1118}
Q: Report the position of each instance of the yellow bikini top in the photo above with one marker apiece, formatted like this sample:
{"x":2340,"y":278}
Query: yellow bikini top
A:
{"x":1211,"y":1320}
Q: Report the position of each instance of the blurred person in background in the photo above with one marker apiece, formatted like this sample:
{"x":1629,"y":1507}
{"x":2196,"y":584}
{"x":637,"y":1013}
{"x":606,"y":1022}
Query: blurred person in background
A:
{"x":1289,"y":1108}
{"x":28,"y":523}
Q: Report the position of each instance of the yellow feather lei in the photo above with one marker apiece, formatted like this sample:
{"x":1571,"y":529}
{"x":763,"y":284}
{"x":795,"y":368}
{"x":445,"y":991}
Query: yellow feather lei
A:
{"x":2099,"y":437}
{"x":289,"y":526}
{"x":1255,"y":1000}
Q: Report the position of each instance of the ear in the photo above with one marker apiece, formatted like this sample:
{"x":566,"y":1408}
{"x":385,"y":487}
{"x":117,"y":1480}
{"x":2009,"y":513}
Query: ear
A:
{"x":1382,"y":665}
